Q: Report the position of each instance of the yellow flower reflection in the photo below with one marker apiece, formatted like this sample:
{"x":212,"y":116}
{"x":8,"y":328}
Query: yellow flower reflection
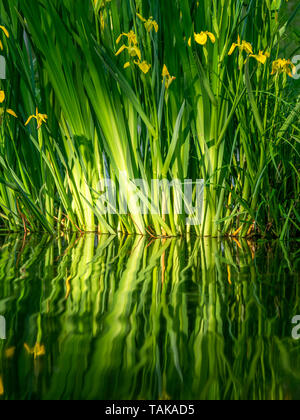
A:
{"x":1,"y":386}
{"x":37,"y":351}
{"x":9,"y":353}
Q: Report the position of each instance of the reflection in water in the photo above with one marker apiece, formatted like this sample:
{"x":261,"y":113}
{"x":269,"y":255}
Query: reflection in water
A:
{"x":122,"y":318}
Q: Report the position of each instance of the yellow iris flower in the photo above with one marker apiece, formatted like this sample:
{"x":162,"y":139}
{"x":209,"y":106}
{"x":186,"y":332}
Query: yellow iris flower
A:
{"x":202,"y":38}
{"x":41,"y":118}
{"x":131,"y":38}
{"x":132,"y":48}
{"x":167,"y":77}
{"x":144,"y":66}
{"x":242,"y":46}
{"x":283,"y":66}
{"x":2,"y":99}
{"x":261,"y":57}
{"x":149,"y":24}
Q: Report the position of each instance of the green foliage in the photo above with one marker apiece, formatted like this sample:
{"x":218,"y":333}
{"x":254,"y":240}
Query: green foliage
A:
{"x":224,"y":119}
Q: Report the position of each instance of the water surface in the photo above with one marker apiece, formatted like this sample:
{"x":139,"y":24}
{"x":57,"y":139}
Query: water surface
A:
{"x":126,"y":318}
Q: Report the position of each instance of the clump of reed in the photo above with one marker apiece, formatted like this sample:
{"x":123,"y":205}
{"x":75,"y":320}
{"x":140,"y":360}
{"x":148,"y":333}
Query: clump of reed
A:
{"x":156,"y":90}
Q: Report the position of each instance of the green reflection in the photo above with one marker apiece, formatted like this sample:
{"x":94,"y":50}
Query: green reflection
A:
{"x":124,"y":318}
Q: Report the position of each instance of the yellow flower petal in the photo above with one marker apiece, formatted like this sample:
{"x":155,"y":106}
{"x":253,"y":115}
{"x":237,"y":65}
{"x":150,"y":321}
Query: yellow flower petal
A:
{"x":38,"y":350}
{"x":119,"y":39}
{"x":232,"y":49}
{"x":9,"y":353}
{"x":29,"y":119}
{"x":132,"y":38}
{"x":246,"y":46}
{"x":201,"y":38}
{"x":11,"y":112}
{"x":2,"y":96}
{"x":121,"y":50}
{"x":261,"y":57}
{"x":135,"y":52}
{"x":5,"y":31}
{"x":144,"y":66}
{"x":27,"y":348}
{"x":165,"y":72}
{"x":211,"y":37}
{"x":141,"y":17}
{"x":1,"y":386}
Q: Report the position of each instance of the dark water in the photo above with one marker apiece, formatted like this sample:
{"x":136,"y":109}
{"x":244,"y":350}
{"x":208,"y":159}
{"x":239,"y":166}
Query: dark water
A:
{"x":125,"y":318}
